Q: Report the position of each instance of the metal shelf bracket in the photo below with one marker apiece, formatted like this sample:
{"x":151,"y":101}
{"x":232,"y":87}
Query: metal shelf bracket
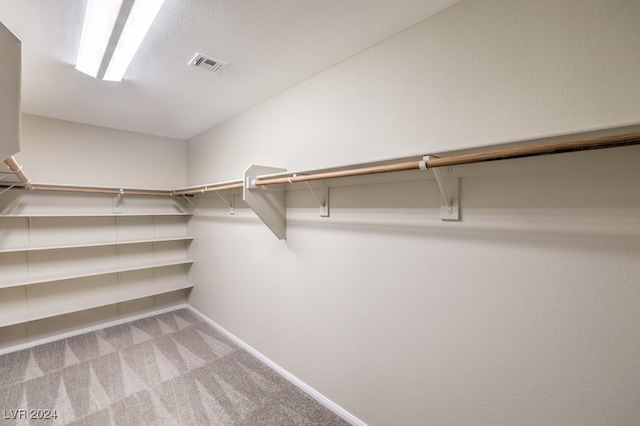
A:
{"x":117,"y":202}
{"x":5,"y":190}
{"x":195,"y":207}
{"x":449,"y":187}
{"x":229,"y":203}
{"x":322,"y":198}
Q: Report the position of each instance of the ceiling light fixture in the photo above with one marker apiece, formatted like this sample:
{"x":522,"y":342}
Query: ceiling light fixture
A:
{"x":112,"y":32}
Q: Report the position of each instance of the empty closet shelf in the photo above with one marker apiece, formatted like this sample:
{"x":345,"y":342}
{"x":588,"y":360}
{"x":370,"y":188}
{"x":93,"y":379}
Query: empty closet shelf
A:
{"x":37,"y":313}
{"x":96,"y":244}
{"x":90,"y":273}
{"x":25,"y":215}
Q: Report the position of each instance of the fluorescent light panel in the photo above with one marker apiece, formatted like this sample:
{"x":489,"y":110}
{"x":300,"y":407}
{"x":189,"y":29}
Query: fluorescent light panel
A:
{"x":142,"y":15}
{"x":100,"y":20}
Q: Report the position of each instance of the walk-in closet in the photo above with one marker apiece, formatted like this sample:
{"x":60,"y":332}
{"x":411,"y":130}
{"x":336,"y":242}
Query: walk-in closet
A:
{"x":330,"y":212}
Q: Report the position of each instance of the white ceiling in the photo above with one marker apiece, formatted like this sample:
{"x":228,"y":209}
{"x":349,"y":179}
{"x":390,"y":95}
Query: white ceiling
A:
{"x":270,"y":46}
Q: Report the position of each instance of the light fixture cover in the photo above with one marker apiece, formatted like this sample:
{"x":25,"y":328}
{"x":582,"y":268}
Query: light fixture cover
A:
{"x":142,"y":15}
{"x":99,"y":20}
{"x":107,"y":47}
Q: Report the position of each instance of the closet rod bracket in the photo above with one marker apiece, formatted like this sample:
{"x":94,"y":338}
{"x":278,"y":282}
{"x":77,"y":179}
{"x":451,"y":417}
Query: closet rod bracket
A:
{"x":195,"y":207}
{"x":449,"y":188}
{"x":117,"y":201}
{"x":250,"y":182}
{"x":321,"y":195}
{"x":229,"y":203}
{"x":323,"y":198}
{"x":6,"y":189}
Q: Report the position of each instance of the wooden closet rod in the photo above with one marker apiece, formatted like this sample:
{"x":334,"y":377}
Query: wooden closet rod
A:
{"x":86,"y":190}
{"x":17,"y":170}
{"x":208,"y":188}
{"x":509,"y":153}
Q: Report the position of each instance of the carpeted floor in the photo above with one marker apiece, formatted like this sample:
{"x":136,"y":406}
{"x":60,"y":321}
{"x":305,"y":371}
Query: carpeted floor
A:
{"x":171,"y":369}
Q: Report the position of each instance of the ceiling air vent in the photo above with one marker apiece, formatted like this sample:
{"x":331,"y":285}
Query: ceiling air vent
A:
{"x":207,"y":63}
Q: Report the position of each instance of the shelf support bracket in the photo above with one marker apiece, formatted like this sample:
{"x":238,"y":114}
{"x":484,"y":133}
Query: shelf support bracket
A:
{"x":195,"y":208}
{"x":449,"y":187}
{"x":323,"y":198}
{"x":228,"y":203}
{"x":117,"y":202}
{"x":8,"y":188}
{"x":270,"y":205}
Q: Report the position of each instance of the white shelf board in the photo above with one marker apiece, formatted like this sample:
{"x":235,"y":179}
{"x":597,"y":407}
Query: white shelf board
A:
{"x":95,"y":215}
{"x":31,"y":314}
{"x":90,"y":273}
{"x":97,"y":244}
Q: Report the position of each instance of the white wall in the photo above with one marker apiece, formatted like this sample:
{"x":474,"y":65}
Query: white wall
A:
{"x":62,"y":152}
{"x":482,"y":72}
{"x":525,"y":312}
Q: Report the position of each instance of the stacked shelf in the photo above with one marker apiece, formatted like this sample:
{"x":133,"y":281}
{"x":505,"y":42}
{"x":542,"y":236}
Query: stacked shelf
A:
{"x":54,"y":264}
{"x":98,"y":244}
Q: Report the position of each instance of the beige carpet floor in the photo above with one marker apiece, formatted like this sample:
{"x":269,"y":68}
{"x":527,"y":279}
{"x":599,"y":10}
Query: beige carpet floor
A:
{"x":170,"y":369}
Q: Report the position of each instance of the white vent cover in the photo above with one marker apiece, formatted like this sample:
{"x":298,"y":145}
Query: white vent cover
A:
{"x":207,"y":63}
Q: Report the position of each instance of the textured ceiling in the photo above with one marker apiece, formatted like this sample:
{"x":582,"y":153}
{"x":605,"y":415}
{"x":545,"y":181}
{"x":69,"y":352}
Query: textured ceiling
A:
{"x":270,"y":46}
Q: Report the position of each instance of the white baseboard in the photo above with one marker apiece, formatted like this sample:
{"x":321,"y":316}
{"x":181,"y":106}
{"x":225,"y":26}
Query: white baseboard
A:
{"x":90,"y":329}
{"x":284,"y":373}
